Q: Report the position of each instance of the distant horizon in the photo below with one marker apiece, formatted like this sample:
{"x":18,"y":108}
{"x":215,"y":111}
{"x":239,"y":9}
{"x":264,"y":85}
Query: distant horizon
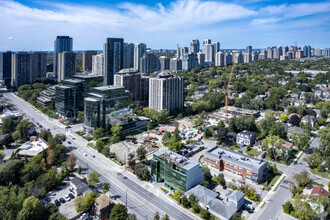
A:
{"x":29,"y":25}
{"x":50,"y":51}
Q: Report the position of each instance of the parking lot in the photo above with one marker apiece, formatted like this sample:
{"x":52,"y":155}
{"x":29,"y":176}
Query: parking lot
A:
{"x":67,"y":209}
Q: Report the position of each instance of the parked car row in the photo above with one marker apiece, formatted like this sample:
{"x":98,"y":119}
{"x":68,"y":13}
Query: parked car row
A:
{"x":66,"y":198}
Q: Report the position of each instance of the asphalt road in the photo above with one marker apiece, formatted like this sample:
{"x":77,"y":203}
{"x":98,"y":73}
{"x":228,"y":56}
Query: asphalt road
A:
{"x":141,"y":201}
{"x":273,"y":208}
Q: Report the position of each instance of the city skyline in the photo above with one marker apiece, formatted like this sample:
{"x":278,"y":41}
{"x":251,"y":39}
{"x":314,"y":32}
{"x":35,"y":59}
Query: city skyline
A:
{"x":262,"y":23}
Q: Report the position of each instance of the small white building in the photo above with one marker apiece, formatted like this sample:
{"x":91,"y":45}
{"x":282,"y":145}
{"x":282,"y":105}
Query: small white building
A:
{"x":78,"y":185}
{"x":246,"y":138}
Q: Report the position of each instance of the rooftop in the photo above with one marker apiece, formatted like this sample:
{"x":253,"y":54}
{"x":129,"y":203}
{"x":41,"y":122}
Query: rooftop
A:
{"x":102,"y":202}
{"x":105,"y":88}
{"x":87,"y":76}
{"x":127,"y":71}
{"x":32,"y":148}
{"x":235,"y":157}
{"x":318,"y":190}
{"x":177,"y":159}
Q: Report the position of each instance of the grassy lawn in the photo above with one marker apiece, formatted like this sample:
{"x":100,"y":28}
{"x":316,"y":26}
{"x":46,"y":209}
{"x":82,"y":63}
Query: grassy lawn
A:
{"x":252,"y":153}
{"x":279,"y":184}
{"x":274,"y":180}
{"x":234,"y":147}
{"x":321,"y":174}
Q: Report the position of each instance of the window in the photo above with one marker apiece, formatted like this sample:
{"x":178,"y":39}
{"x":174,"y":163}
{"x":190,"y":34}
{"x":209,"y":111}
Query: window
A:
{"x":217,"y":162}
{"x":236,"y":167}
{"x":240,"y":168}
{"x":248,"y":172}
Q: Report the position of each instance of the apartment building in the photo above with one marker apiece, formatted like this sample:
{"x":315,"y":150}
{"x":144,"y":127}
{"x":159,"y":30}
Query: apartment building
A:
{"x":240,"y":164}
{"x":246,"y":138}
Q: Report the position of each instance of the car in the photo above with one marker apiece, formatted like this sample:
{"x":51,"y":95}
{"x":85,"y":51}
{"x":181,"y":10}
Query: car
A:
{"x":73,"y":138}
{"x":48,"y":129}
{"x":69,"y":142}
{"x":62,"y":200}
{"x":93,"y":156}
{"x":71,"y":195}
{"x":67,"y":198}
{"x":52,"y":193}
{"x":85,"y":216}
{"x":57,"y":203}
{"x":85,"y":155}
{"x":48,"y":199}
{"x":44,"y":202}
{"x":224,"y":187}
{"x":71,"y":189}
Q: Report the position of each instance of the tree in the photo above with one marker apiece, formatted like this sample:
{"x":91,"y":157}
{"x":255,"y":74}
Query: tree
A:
{"x":23,"y":128}
{"x":149,"y":126}
{"x":207,"y":173}
{"x":80,"y":204}
{"x":166,"y":137}
{"x":106,"y":187}
{"x":185,"y":202}
{"x":166,"y":217}
{"x":98,"y":133}
{"x":89,"y":200}
{"x":131,"y":162}
{"x":157,"y":217}
{"x":237,"y":216}
{"x":71,"y":162}
{"x":105,"y":151}
{"x":222,"y":180}
{"x":302,"y":178}
{"x":80,"y":116}
{"x":177,"y":194}
{"x":300,"y":140}
{"x":99,"y":145}
{"x":141,"y":153}
{"x":314,"y":160}
{"x":294,"y":120}
{"x":50,"y":156}
{"x":222,"y":133}
{"x":283,"y":117}
{"x":49,"y":179}
{"x":325,"y":140}
{"x":132,"y":217}
{"x":288,"y":207}
{"x":176,"y":133}
{"x":196,"y":208}
{"x":204,"y":214}
{"x":93,"y":178}
{"x":9,"y":172}
{"x":45,"y":134}
{"x":11,"y":200}
{"x":32,"y":209}
{"x":118,"y":212}
{"x":7,"y":125}
{"x":192,"y":199}
{"x":207,"y":132}
{"x":142,"y":172}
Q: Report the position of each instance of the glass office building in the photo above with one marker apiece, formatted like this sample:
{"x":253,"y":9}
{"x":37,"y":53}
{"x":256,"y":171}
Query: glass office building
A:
{"x":176,"y":171}
{"x":108,"y":105}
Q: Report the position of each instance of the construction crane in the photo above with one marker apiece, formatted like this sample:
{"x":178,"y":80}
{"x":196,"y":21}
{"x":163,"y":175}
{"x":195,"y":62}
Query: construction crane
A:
{"x":231,"y":75}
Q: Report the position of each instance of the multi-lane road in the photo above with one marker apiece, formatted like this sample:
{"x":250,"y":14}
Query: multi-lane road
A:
{"x":142,"y":198}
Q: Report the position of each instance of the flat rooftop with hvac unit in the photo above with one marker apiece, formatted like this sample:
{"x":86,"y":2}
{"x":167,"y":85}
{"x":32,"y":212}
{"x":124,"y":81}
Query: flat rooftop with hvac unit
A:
{"x":248,"y":167}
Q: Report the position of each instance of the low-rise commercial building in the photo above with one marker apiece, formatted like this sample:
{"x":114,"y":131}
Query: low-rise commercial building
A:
{"x":108,"y":105}
{"x":176,"y":171}
{"x":248,"y":167}
{"x":32,"y":148}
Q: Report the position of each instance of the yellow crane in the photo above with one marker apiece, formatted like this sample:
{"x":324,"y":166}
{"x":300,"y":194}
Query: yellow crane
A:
{"x":226,"y":101}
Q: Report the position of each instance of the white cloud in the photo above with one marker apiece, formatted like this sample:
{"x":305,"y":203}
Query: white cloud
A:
{"x":285,"y":11}
{"x":126,"y":20}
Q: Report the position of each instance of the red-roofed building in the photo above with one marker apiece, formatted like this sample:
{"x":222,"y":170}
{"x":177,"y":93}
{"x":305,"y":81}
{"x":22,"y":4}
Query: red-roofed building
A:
{"x":318,"y":190}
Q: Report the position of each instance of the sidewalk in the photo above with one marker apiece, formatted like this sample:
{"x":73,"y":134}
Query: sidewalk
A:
{"x":271,"y":192}
{"x":157,"y":191}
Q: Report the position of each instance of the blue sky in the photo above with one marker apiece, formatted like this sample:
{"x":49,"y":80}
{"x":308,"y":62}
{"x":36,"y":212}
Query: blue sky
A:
{"x":34,"y":24}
